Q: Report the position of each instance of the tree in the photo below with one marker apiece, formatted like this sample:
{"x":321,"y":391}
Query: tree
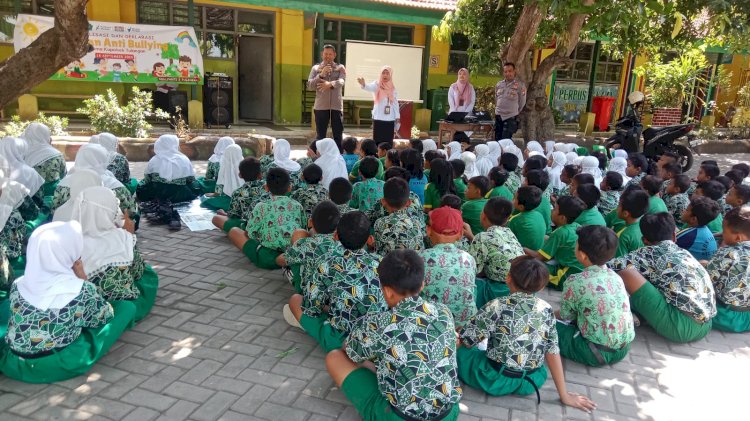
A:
{"x":67,"y":41}
{"x":628,"y":25}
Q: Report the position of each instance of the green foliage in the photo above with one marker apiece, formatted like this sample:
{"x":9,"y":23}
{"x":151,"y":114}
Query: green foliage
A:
{"x":743,"y":95}
{"x":107,"y":115}
{"x":57,"y":125}
{"x":672,"y":83}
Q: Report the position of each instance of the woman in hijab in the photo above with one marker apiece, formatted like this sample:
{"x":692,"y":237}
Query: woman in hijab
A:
{"x":533,"y":147}
{"x":118,"y":164}
{"x":386,"y":117}
{"x":110,"y":256}
{"x":495,"y":152}
{"x":484,"y":163}
{"x":43,"y":157}
{"x":228,"y":180}
{"x":208,"y":182}
{"x":77,"y":182}
{"x":470,"y":161}
{"x":60,"y":325}
{"x":570,"y":157}
{"x":12,"y":225}
{"x":14,"y":150}
{"x":282,"y":151}
{"x":454,"y":151}
{"x":330,"y":161}
{"x":618,"y":165}
{"x":555,"y":167}
{"x":461,"y":94}
{"x":590,"y":165}
{"x":169,"y":174}
{"x":428,"y":145}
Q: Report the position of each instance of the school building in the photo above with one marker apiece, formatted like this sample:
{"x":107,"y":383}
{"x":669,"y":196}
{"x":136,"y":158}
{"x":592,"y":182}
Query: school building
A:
{"x":268,"y":47}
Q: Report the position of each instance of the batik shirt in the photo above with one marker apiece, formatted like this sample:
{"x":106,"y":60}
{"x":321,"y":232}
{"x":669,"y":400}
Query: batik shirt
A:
{"x":608,"y":201}
{"x":449,"y":275}
{"x":565,"y":191}
{"x":493,"y":251}
{"x":294,"y":176}
{"x":520,"y":328}
{"x":212,"y":170}
{"x":155,"y":178}
{"x":266,"y":163}
{"x":413,"y":346}
{"x":729,"y":270}
{"x":345,"y":208}
{"x":52,"y":170}
{"x":120,"y":167}
{"x":118,"y":282}
{"x":399,"y":230}
{"x":307,"y":252}
{"x":127,"y":201}
{"x":596,"y":299}
{"x":28,"y":209}
{"x":513,"y":183}
{"x":677,"y":204}
{"x":663,"y":189}
{"x":13,"y":234}
{"x":415,"y":210}
{"x":346,"y":282}
{"x":309,"y":197}
{"x":6,"y":272}
{"x":635,"y":181}
{"x":305,"y":162}
{"x":246,"y":197}
{"x":367,"y":194}
{"x":684,"y":283}
{"x":273,"y":221}
{"x":32,"y":330}
{"x":723,"y":205}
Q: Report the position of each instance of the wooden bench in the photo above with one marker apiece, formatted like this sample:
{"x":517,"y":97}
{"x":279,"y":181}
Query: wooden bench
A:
{"x":358,"y":113}
{"x":61,"y":96}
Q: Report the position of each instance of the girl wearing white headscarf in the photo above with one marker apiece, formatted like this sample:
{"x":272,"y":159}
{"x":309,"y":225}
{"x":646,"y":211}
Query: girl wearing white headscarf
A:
{"x":620,"y":153}
{"x":12,"y":225}
{"x":533,"y":146}
{"x":618,"y":165}
{"x":428,"y":145}
{"x":454,"y":151}
{"x":110,"y":257}
{"x":14,"y":150}
{"x":208,"y":182}
{"x":505,"y":144}
{"x":484,"y":163}
{"x":43,"y":157}
{"x":169,"y":174}
{"x":470,"y":161}
{"x":117,"y":164}
{"x":556,"y":164}
{"x":570,"y":157}
{"x":61,"y":324}
{"x":590,"y":165}
{"x":330,"y":161}
{"x":228,"y":181}
{"x":495,"y":152}
{"x":77,"y":182}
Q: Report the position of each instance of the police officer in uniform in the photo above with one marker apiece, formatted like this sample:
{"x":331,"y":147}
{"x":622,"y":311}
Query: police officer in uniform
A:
{"x":510,"y":98}
{"x":327,"y":80}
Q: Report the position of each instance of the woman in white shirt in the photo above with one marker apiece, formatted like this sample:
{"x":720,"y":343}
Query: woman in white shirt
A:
{"x":461,"y":95}
{"x":386,"y":117}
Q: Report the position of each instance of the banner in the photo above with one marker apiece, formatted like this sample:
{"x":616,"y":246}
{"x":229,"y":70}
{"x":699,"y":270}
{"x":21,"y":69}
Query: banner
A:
{"x":570,"y":98}
{"x":125,"y":53}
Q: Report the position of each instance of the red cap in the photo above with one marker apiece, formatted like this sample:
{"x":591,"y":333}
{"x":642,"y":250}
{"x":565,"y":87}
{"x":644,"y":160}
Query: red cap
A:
{"x":446,"y":221}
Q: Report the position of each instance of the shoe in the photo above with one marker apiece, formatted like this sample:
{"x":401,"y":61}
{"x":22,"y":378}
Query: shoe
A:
{"x":289,"y":317}
{"x":174,"y":222}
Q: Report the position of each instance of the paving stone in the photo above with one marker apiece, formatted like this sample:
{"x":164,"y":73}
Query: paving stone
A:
{"x":212,"y":409}
{"x":181,"y":410}
{"x":272,"y":411}
{"x":142,"y":414}
{"x":142,"y":397}
{"x":108,"y":407}
{"x":253,"y":399}
{"x":189,"y":392}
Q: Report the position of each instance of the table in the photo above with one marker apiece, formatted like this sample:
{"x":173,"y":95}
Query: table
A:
{"x":486,"y":127}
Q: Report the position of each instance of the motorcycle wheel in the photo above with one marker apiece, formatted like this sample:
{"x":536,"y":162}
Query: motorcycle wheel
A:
{"x":686,"y":157}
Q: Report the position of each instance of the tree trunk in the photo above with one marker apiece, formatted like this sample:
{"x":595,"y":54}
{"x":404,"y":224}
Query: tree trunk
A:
{"x":67,"y":41}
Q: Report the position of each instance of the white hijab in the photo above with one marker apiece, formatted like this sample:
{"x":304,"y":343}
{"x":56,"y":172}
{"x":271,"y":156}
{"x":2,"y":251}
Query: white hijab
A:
{"x":49,"y":281}
{"x":94,"y":158}
{"x":229,"y":170}
{"x":470,"y":162}
{"x":570,"y":157}
{"x":554,"y":171}
{"x":619,"y":153}
{"x":14,"y":150}
{"x":534,"y":146}
{"x":560,"y":147}
{"x":77,"y":182}
{"x":505,"y":144}
{"x":578,"y":160}
{"x":590,"y":165}
{"x":37,"y":136}
{"x":104,"y":243}
{"x":618,"y":165}
{"x":109,"y":142}
{"x":495,"y":152}
{"x":281,"y":152}
{"x":454,"y":151}
{"x":11,"y":196}
{"x":571,"y":147}
{"x":515,"y":150}
{"x":168,"y":162}
{"x":221,"y":146}
{"x":330,"y":161}
{"x":484,"y":163}
{"x":428,"y":145}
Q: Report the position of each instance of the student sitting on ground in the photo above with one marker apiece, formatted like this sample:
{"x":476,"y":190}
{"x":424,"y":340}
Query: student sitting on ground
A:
{"x":301,"y":257}
{"x":714,"y":191}
{"x":528,"y":225}
{"x":244,"y":198}
{"x":282,"y":151}
{"x":351,"y":152}
{"x":459,"y":181}
{"x":590,"y":195}
{"x":471,"y":210}
{"x":415,"y":208}
{"x":727,"y":183}
{"x":13,"y":150}
{"x":509,"y":162}
{"x":208,"y":182}
{"x":59,"y":324}
{"x":392,"y":159}
{"x":369,"y":191}
{"x":340,"y":193}
{"x":413,"y":162}
{"x":441,"y":183}
{"x":737,"y":177}
{"x":271,"y":223}
{"x":498,"y":177}
{"x":169,"y":174}
{"x":744,"y":169}
{"x":579,"y":180}
{"x":449,"y":272}
{"x":368,"y":147}
{"x":13,"y":228}
{"x":729,"y":270}
{"x":540,"y":179}
{"x":429,"y":156}
{"x":561,"y":244}
{"x":342,"y":288}
{"x":697,"y":238}
{"x":310,"y":191}
{"x":611,"y":189}
{"x":738,"y":196}
{"x":566,"y":176}
{"x":493,"y":250}
{"x":48,"y":162}
{"x":633,"y":205}
{"x":707,"y":172}
{"x":227,"y":181}
{"x":668,"y":172}
{"x":398,"y":229}
{"x":522,"y":341}
{"x":637,"y":169}
{"x":414,"y":336}
{"x":596,"y":304}
{"x":667,"y":286}
{"x":677,"y":199}
{"x":652,"y":185}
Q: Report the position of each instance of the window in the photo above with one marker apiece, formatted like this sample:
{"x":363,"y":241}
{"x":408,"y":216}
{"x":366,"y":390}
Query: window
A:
{"x":608,"y":69}
{"x":458,"y":57}
{"x":337,"y":32}
{"x":8,"y":14}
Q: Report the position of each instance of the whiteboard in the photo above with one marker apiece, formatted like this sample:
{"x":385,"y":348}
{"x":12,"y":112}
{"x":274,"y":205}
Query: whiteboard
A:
{"x":366,"y":59}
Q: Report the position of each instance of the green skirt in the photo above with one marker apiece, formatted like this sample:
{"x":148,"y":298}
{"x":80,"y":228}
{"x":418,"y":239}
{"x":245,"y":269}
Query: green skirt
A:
{"x":728,"y":320}
{"x":234,"y":223}
{"x":216,"y":202}
{"x":132,"y":185}
{"x":474,"y":369}
{"x":73,"y":360}
{"x":487,"y":290}
{"x":207,"y":185}
{"x":147,"y":286}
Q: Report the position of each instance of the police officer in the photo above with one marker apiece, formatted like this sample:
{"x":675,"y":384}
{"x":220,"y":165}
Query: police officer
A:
{"x":510,"y":98}
{"x":327,"y":80}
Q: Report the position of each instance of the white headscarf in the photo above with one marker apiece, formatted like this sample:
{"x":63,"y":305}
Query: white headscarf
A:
{"x":428,"y":145}
{"x":281,"y":152}
{"x":12,"y":194}
{"x":49,"y":281}
{"x":590,"y":165}
{"x":470,"y":162}
{"x":570,"y":157}
{"x":14,"y":150}
{"x":220,"y":147}
{"x":620,"y":153}
{"x":495,"y":152}
{"x":505,"y":144}
{"x":168,"y":162}
{"x":484,"y":163}
{"x":330,"y":161}
{"x":554,"y":171}
{"x":109,"y":142}
{"x":571,"y":147}
{"x":534,"y":146}
{"x":515,"y":150}
{"x":560,"y":147}
{"x":229,"y":170}
{"x":578,"y":160}
{"x":454,"y":151}
{"x":37,"y":136}
{"x":618,"y":165}
{"x":104,"y":243}
{"x":94,"y":158}
{"x":77,"y":182}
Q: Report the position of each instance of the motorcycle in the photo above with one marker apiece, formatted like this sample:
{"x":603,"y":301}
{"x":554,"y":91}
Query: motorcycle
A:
{"x":656,"y":140}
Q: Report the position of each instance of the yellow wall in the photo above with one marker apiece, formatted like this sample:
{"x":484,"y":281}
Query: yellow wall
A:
{"x":727,"y":97}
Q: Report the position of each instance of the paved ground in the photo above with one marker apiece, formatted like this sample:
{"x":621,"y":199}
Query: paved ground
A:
{"x":216,"y":347}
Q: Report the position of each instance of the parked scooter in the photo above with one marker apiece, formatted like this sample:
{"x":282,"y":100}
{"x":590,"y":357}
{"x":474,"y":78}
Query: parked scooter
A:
{"x":656,"y":140}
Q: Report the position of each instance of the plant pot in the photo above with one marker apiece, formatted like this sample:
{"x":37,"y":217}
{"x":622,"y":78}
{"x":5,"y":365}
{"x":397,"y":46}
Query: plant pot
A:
{"x":667,"y":116}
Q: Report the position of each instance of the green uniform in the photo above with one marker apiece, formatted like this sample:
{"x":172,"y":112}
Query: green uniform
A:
{"x":729,"y":270}
{"x":52,"y":171}
{"x":399,"y":230}
{"x":460,"y":187}
{"x":243,"y":201}
{"x":345,"y":208}
{"x":415,"y":210}
{"x":613,"y":221}
{"x":500,"y":191}
{"x":127,"y":201}
{"x":529,"y":229}
{"x":629,"y":238}
{"x":270,"y":229}
{"x":635,"y":181}
{"x":717,"y":225}
{"x":153,"y":187}
{"x":677,"y":204}
{"x":309,"y":196}
{"x":120,"y":167}
{"x":561,"y":246}
{"x":432,"y":197}
{"x":13,"y":235}
{"x":303,"y":256}
{"x":471,"y":212}
{"x":656,"y":205}
{"x":591,"y":217}
{"x":493,"y":250}
{"x":608,"y":201}
{"x":355,"y":177}
{"x":449,"y":279}
{"x":366,"y":194}
{"x":208,"y":182}
{"x":513,"y":183}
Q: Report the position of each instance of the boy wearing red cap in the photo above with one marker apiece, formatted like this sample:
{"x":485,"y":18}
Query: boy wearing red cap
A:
{"x":449,"y":271}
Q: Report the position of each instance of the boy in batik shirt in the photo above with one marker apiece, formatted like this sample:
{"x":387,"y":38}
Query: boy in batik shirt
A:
{"x":414,"y":209}
{"x":509,"y":162}
{"x":521,"y":340}
{"x":413,"y":346}
{"x":340,"y":193}
{"x":398,"y":229}
{"x":369,"y":191}
{"x":667,"y":286}
{"x":611,"y":188}
{"x":343,"y":287}
{"x":596,"y":303}
{"x":244,"y":198}
{"x":636,"y":169}
{"x":677,"y":199}
{"x":311,"y":192}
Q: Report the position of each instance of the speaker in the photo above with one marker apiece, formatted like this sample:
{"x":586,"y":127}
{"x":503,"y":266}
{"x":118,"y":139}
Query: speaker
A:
{"x":218,"y":101}
{"x":179,"y":99}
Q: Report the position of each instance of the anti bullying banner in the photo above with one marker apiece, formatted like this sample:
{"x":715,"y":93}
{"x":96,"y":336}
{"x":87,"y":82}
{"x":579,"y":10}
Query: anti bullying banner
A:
{"x":125,"y":53}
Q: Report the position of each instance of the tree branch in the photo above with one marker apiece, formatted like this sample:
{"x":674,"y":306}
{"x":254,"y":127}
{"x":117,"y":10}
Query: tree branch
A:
{"x":523,"y":38}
